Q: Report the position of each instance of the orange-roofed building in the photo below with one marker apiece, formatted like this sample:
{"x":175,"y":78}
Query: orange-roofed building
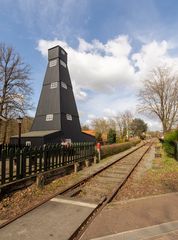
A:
{"x":93,"y":133}
{"x":90,"y":132}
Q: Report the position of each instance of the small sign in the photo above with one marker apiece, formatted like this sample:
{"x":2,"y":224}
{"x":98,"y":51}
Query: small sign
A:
{"x":63,"y":63}
{"x":69,"y":117}
{"x":64,"y":85}
{"x":68,"y":140}
{"x":28,"y":143}
{"x":53,"y":85}
{"x":53,"y":63}
{"x":49,"y":117}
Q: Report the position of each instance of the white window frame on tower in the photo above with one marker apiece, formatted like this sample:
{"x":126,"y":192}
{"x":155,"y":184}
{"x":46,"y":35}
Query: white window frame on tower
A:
{"x":63,"y":63}
{"x":49,"y":117}
{"x":53,"y":85}
{"x":69,"y":117}
{"x":53,"y":63}
{"x":62,"y":51}
{"x":64,"y":85}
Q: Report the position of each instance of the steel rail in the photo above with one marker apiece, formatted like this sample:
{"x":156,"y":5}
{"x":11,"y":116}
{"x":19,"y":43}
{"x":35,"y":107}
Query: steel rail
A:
{"x":83,"y":181}
{"x":70,"y":188}
{"x":104,"y":201}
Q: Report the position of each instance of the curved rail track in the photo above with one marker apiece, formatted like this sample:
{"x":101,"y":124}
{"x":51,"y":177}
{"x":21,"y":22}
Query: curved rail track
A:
{"x":101,"y":186}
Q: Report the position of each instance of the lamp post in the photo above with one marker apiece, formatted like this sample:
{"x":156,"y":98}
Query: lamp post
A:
{"x":3,"y":118}
{"x":19,"y":120}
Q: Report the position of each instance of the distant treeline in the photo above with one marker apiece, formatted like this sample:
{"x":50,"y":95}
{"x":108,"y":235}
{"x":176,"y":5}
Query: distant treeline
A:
{"x":10,"y":128}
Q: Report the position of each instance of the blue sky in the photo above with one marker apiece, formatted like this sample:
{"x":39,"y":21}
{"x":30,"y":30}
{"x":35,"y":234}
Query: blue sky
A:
{"x":111,"y":45}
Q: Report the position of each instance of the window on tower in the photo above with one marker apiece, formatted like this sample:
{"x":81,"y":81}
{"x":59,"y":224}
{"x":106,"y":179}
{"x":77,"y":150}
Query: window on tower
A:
{"x":62,"y":51}
{"x":63,"y":63}
{"x":64,"y":85}
{"x":53,"y":63}
{"x":53,"y":85}
{"x":69,"y":117}
{"x":49,"y":117}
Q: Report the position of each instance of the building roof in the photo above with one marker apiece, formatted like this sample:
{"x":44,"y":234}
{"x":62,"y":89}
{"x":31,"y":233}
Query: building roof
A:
{"x":36,"y":133}
{"x":90,"y":132}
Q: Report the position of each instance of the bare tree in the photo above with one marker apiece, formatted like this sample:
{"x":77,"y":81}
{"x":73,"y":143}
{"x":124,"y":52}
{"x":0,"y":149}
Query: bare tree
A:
{"x":15,"y":89}
{"x":112,"y":123}
{"x":123,"y":123}
{"x":159,"y":96}
{"x":100,"y":125}
{"x":85,"y":127}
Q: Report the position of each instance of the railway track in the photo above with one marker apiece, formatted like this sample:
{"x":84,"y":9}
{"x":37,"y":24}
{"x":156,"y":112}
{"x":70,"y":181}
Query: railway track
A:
{"x":100,"y":187}
{"x":105,"y":185}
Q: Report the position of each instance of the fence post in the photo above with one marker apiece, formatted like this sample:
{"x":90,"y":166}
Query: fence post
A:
{"x":11,"y":164}
{"x":45,"y":156}
{"x":176,"y":152}
{"x":40,"y":180}
{"x":3,"y":166}
{"x":18,"y":164}
{"x":40,"y":158}
{"x":76,"y":165}
{"x":23,"y":161}
{"x":35,"y":157}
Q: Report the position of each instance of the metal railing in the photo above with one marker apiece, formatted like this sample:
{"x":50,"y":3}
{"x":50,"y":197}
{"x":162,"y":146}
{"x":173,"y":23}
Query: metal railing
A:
{"x":16,"y":164}
{"x":176,"y":151}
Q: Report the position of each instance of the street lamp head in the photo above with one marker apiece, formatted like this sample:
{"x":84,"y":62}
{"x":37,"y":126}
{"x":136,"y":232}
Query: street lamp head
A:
{"x":19,"y":119}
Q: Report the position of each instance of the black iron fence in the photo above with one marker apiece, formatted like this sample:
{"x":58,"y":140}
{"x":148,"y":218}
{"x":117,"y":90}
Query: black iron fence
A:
{"x":176,"y":150}
{"x":17,"y":164}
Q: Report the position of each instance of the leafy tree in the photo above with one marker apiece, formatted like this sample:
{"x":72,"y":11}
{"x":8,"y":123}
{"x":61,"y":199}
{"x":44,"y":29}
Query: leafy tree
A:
{"x":169,"y":142}
{"x":138,"y":127}
{"x":111,"y":137}
{"x":159,"y":96}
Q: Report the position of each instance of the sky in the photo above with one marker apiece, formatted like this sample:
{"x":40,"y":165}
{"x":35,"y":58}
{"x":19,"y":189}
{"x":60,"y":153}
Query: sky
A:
{"x":112,"y":46}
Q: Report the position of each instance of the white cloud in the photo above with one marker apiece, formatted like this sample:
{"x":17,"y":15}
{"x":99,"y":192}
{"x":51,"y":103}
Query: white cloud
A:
{"x":108,"y":112}
{"x":97,"y":66}
{"x":150,"y":55}
{"x":91,"y":116}
{"x":106,"y":76}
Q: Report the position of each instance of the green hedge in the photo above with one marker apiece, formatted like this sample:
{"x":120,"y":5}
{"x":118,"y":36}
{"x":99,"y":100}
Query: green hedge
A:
{"x":112,"y":149}
{"x":169,"y":142}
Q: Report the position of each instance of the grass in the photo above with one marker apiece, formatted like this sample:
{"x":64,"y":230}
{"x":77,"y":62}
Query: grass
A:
{"x":163,"y":165}
{"x":161,"y":178}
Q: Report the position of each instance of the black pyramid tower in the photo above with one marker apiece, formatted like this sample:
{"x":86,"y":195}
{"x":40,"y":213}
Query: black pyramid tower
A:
{"x":56,"y":117}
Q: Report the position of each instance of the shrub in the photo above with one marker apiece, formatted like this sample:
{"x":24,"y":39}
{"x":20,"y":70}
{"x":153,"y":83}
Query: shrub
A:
{"x":169,"y":142}
{"x":109,"y":150}
{"x":111,"y":137}
{"x":98,"y":137}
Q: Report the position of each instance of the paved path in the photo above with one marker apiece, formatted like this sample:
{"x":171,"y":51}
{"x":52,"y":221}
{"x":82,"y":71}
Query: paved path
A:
{"x":169,"y":236}
{"x":56,"y":219}
{"x":145,"y":218}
